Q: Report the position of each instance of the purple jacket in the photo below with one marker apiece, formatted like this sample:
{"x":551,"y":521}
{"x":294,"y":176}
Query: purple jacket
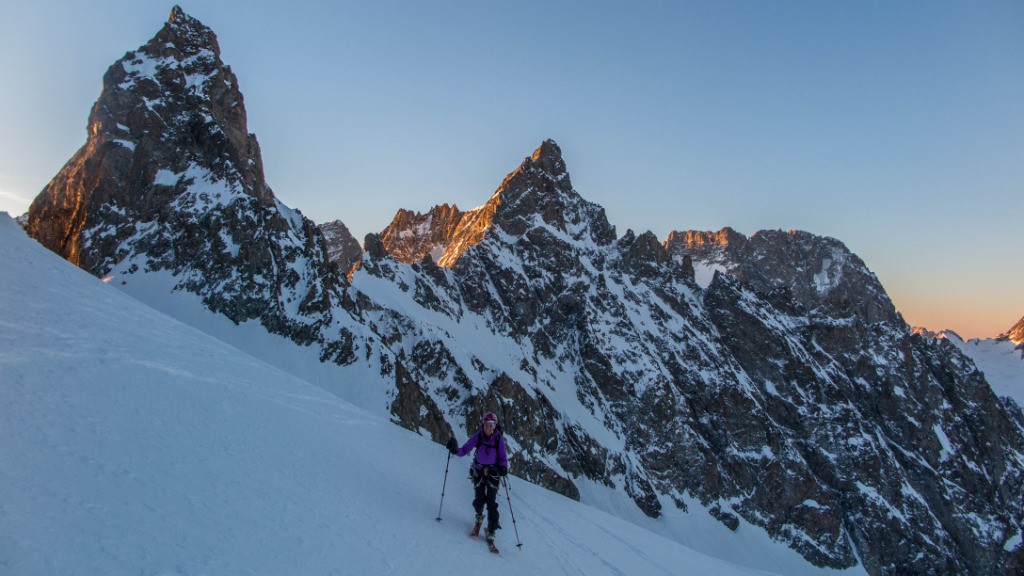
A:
{"x":490,"y":451}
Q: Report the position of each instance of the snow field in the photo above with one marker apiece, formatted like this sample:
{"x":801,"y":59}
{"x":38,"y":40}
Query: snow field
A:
{"x":1002,"y":362}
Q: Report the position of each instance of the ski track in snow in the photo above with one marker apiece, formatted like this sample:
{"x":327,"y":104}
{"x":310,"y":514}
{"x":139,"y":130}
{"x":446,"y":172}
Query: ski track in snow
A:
{"x":133,"y":444}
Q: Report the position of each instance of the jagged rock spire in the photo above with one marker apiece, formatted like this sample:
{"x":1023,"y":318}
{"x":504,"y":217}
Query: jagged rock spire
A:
{"x":181,"y":19}
{"x":178,"y":14}
{"x":541,"y":187}
{"x":538,"y":192}
{"x":169,"y":107}
{"x":170,"y":179}
{"x":342,"y":248}
{"x":543,"y":172}
{"x":548,"y":157}
{"x":411,"y":236}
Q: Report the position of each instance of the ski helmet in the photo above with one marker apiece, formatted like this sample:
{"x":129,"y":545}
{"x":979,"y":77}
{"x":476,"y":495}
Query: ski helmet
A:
{"x":490,"y":417}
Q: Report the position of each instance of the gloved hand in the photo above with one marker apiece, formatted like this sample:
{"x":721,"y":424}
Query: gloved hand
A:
{"x":502,"y":471}
{"x":453,"y":446}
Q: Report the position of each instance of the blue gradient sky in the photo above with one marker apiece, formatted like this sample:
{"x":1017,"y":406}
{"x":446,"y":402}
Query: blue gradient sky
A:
{"x":897,"y":128}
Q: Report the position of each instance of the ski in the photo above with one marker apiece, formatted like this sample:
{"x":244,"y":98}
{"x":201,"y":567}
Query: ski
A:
{"x":492,"y":547}
{"x":476,"y":530}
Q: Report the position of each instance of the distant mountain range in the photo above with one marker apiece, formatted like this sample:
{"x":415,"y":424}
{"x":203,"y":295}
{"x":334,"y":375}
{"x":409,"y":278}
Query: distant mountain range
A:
{"x":767,"y":381}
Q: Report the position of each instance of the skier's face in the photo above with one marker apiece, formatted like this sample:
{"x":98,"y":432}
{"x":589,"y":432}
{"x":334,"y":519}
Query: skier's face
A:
{"x":488,"y":428}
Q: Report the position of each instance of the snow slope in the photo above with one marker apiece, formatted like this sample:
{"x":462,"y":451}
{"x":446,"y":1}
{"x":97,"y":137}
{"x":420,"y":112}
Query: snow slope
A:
{"x":134,"y":444}
{"x":1001,"y":361}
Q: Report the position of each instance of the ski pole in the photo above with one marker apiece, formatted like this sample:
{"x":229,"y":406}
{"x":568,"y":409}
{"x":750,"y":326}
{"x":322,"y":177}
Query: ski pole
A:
{"x":445,"y":483}
{"x":504,"y":480}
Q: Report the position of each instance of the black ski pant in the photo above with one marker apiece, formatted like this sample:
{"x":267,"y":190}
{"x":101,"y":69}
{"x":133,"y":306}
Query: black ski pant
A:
{"x":487,"y":494}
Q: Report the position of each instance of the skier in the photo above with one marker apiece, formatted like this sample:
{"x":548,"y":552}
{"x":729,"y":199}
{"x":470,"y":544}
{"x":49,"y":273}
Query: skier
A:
{"x":490,"y":463}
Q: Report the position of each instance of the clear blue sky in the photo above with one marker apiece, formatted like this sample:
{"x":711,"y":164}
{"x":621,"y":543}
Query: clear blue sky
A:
{"x":896,"y":127}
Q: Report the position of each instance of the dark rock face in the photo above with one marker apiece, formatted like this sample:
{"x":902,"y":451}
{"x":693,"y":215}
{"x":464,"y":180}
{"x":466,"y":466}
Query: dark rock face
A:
{"x":342,"y":248}
{"x":820,"y":274}
{"x":785,"y":392}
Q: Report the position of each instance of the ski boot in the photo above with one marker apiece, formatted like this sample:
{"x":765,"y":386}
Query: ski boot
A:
{"x":476,"y":526}
{"x":490,"y":542}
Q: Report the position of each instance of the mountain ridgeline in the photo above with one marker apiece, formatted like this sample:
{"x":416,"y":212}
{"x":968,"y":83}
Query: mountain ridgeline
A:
{"x":1016,"y":333}
{"x":786,"y":392}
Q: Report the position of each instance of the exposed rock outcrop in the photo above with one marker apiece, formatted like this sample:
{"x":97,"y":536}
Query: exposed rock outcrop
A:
{"x":1016,"y":334}
{"x":342,"y":248}
{"x":412,"y":236}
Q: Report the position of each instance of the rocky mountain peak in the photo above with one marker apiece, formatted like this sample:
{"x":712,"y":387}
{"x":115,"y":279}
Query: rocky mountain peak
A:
{"x":645,"y":256}
{"x":170,"y":179}
{"x":644,"y":248}
{"x":930,"y":335}
{"x":170,"y":118}
{"x":548,"y":158}
{"x":342,"y":248}
{"x":538,"y":193}
{"x":180,"y":17}
{"x":1016,"y":334}
{"x":711,"y":252}
{"x":411,"y":235}
{"x":543,"y":172}
{"x":821,"y":274}
{"x":691,"y":240}
{"x":187,"y":34}
{"x":538,"y":188}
